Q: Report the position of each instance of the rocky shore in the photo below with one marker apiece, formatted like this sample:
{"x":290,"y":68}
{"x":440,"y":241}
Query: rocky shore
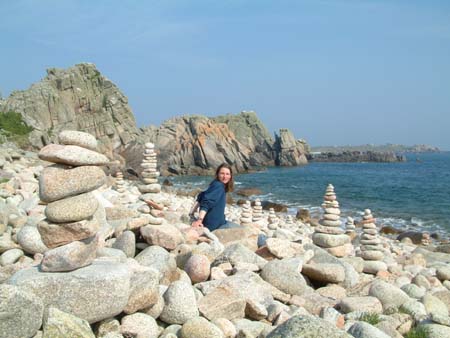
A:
{"x":357,"y":156}
{"x":88,"y":254}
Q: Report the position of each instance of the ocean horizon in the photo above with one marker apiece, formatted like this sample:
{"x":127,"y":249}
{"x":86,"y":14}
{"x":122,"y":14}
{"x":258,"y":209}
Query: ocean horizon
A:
{"x":412,"y":195}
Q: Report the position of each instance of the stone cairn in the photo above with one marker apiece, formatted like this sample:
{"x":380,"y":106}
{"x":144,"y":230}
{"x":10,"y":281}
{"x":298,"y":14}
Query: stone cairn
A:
{"x":329,"y":234}
{"x":150,"y":187}
{"x":350,"y":228}
{"x":246,"y":214}
{"x":120,"y":183}
{"x":371,"y":248}
{"x":73,"y":213}
{"x":273,"y":220}
{"x":289,"y":220}
{"x":257,"y":211}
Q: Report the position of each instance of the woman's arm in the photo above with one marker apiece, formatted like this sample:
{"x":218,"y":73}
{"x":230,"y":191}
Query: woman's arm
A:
{"x":199,"y":221}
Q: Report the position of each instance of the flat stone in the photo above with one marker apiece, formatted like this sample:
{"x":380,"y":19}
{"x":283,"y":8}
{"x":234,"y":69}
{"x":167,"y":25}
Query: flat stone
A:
{"x":21,"y":312}
{"x":324,"y":272}
{"x":57,"y":182}
{"x":30,"y":240}
{"x":222,"y":302}
{"x":332,"y":291}
{"x":72,"y":209}
{"x":330,"y":223}
{"x":365,"y":330}
{"x":139,"y":325}
{"x":328,"y":241}
{"x":373,"y":267}
{"x":341,"y":250}
{"x":180,"y":303}
{"x":10,"y":256}
{"x":435,"y":305}
{"x":285,"y":275}
{"x":283,"y":248}
{"x":236,"y":253}
{"x":372,"y":255}
{"x":149,"y":188}
{"x":71,"y":155}
{"x":199,"y":327}
{"x":331,"y":217}
{"x":78,"y":138}
{"x":389,"y":295}
{"x":166,"y":236}
{"x":59,"y":324}
{"x":329,"y":230}
{"x":85,"y":293}
{"x":58,"y":234}
{"x":362,"y":304}
{"x":247,"y":236}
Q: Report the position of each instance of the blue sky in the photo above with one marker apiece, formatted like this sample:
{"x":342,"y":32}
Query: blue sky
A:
{"x":335,"y":72}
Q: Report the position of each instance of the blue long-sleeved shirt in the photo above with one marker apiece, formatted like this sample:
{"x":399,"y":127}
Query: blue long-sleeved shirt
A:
{"x":213,"y":200}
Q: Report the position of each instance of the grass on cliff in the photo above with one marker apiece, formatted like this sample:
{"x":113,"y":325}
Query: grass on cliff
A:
{"x":13,"y":128}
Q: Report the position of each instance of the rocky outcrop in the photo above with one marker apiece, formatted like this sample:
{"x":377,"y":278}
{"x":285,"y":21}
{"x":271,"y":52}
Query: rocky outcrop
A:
{"x":288,"y":150}
{"x":357,"y":156}
{"x":77,"y":98}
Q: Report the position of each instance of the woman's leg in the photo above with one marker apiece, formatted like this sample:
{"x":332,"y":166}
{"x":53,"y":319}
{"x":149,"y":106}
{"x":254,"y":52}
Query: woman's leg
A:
{"x":230,"y":225}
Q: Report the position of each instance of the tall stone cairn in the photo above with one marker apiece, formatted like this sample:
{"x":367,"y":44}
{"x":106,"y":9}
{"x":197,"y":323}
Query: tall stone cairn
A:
{"x":329,"y":234}
{"x":257,"y":211}
{"x":73,"y":213}
{"x":246,"y":214}
{"x":149,"y":173}
{"x":350,"y":228}
{"x":120,"y":183}
{"x":371,"y":248}
{"x":289,"y":220}
{"x":273,"y":220}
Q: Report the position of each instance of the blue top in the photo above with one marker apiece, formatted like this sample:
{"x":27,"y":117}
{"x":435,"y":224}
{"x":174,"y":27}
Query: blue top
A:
{"x":213,"y":200}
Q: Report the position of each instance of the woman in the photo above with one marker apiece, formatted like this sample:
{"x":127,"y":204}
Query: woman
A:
{"x":212,"y":201}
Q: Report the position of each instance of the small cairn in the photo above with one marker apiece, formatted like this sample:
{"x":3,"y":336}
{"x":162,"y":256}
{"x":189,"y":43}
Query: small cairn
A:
{"x":371,"y":248}
{"x":329,"y":234}
{"x":257,"y":211}
{"x":289,"y":220}
{"x":149,"y":173}
{"x":73,"y":213}
{"x":246,"y":214}
{"x":273,"y":220}
{"x":120,"y":183}
{"x":350,"y":228}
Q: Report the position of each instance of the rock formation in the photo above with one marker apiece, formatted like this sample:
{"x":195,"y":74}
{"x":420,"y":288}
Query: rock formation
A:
{"x":371,"y":248}
{"x":329,"y":234}
{"x":289,"y":151}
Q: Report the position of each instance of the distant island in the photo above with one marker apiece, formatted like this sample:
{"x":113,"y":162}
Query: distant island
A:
{"x":384,"y":148}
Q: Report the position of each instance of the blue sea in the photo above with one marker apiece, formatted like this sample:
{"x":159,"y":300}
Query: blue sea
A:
{"x":409,"y":195}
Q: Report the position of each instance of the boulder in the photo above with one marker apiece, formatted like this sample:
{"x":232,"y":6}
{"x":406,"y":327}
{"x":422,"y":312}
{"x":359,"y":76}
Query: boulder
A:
{"x":180,"y":303}
{"x":199,"y":327}
{"x":166,"y":236}
{"x":78,"y":138}
{"x":390,"y":296}
{"x":159,"y":259}
{"x":363,"y":330}
{"x":222,"y":302}
{"x":30,"y":240}
{"x":324,"y":272}
{"x":362,"y":304}
{"x":285,"y":275}
{"x":72,"y":209}
{"x":59,"y":324}
{"x":71,"y":155}
{"x":139,"y":325}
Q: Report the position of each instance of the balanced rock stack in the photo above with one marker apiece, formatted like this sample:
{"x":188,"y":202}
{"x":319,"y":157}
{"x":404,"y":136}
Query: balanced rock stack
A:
{"x":329,"y":234}
{"x":371,"y":248}
{"x":289,"y":220}
{"x":273,"y":219}
{"x":246,"y":214}
{"x":257,"y":211}
{"x":73,"y":213}
{"x":350,"y":228}
{"x":120,"y":183}
{"x":149,"y":173}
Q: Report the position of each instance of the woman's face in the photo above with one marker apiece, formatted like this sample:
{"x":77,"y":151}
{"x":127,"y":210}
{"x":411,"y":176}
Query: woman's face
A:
{"x":224,"y":175}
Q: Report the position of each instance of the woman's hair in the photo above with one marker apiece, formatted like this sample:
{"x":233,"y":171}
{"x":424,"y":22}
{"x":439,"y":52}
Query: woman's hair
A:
{"x":229,"y":187}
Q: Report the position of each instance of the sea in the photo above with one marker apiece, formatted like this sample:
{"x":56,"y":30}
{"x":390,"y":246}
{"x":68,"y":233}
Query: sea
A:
{"x":412,"y":195}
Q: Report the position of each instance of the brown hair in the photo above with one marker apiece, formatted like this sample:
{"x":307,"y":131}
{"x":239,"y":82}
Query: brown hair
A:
{"x":229,"y":187}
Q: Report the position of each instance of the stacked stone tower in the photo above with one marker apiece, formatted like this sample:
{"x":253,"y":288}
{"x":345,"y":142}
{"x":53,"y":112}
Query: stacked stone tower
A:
{"x":350,"y":228}
{"x":371,"y":248}
{"x":257,"y":211}
{"x":246,"y":214}
{"x":329,"y":234}
{"x":149,"y":173}
{"x":120,"y":183}
{"x":273,"y":220}
{"x":73,"y":213}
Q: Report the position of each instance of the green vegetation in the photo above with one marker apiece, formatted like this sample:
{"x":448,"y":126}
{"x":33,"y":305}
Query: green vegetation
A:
{"x":417,"y":332}
{"x":370,"y":317}
{"x":14,"y":129}
{"x":4,"y":180}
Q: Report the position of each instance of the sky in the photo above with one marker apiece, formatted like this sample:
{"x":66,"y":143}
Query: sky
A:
{"x":335,"y":72}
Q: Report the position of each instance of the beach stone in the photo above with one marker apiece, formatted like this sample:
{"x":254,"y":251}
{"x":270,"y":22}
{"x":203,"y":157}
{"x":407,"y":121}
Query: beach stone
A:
{"x":78,"y":138}
{"x":57,"y":182}
{"x":149,"y":188}
{"x":329,"y":230}
{"x":71,"y":155}
{"x":180,"y":303}
{"x":30,"y":240}
{"x":139,"y":325}
{"x":390,"y":296}
{"x":434,"y":305}
{"x":10,"y":257}
{"x":108,"y":326}
{"x":329,"y":241}
{"x":159,"y":259}
{"x":443,"y":273}
{"x":118,"y":255}
{"x":127,"y":243}
{"x":85,"y":293}
{"x":307,"y":326}
{"x":69,"y":256}
{"x":444,"y":296}
{"x":422,"y":281}
{"x":199,"y":327}
{"x":332,"y":291}
{"x":72,"y":209}
{"x":6,"y":243}
{"x":285,"y":275}
{"x":372,"y":255}
{"x":373,"y":267}
{"x":144,"y":290}
{"x":255,"y":311}
{"x":438,"y":319}
{"x":222,"y":302}
{"x":58,"y":234}
{"x":236,"y":253}
{"x":198,"y":268}
{"x":413,"y":290}
{"x":362,"y":304}
{"x":365,"y":330}
{"x":283,"y":248}
{"x":414,"y":308}
{"x":226,"y":326}
{"x":21,"y":312}
{"x":436,"y":330}
{"x":167,"y":236}
{"x":324,"y":272}
{"x":59,"y":324}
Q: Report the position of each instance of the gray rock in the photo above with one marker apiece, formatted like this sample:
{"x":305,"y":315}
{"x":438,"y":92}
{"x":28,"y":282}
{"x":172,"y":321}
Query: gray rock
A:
{"x":72,"y":209}
{"x":436,"y":330}
{"x":180,"y":303}
{"x":119,"y":255}
{"x":21,"y":312}
{"x":6,"y":243}
{"x":166,"y":236}
{"x":414,"y":308}
{"x":329,"y":241}
{"x":434,"y":305}
{"x":77,"y":138}
{"x":222,"y":302}
{"x":324,"y":272}
{"x":59,"y":324}
{"x":139,"y":325}
{"x":307,"y":326}
{"x":159,"y":259}
{"x":389,"y":295}
{"x":285,"y":275}
{"x":106,"y":326}
{"x":413,"y":291}
{"x":238,"y":253}
{"x":365,"y":330}
{"x":57,"y":182}
{"x":127,"y":243}
{"x":71,"y":155}
{"x":30,"y":240}
{"x":248,"y":328}
{"x":85,"y":293}
{"x":362,"y":304}
{"x":199,"y":327}
{"x":443,"y":273}
{"x":10,"y":257}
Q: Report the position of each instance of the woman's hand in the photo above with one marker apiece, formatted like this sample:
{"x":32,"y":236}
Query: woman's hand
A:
{"x":197,"y":223}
